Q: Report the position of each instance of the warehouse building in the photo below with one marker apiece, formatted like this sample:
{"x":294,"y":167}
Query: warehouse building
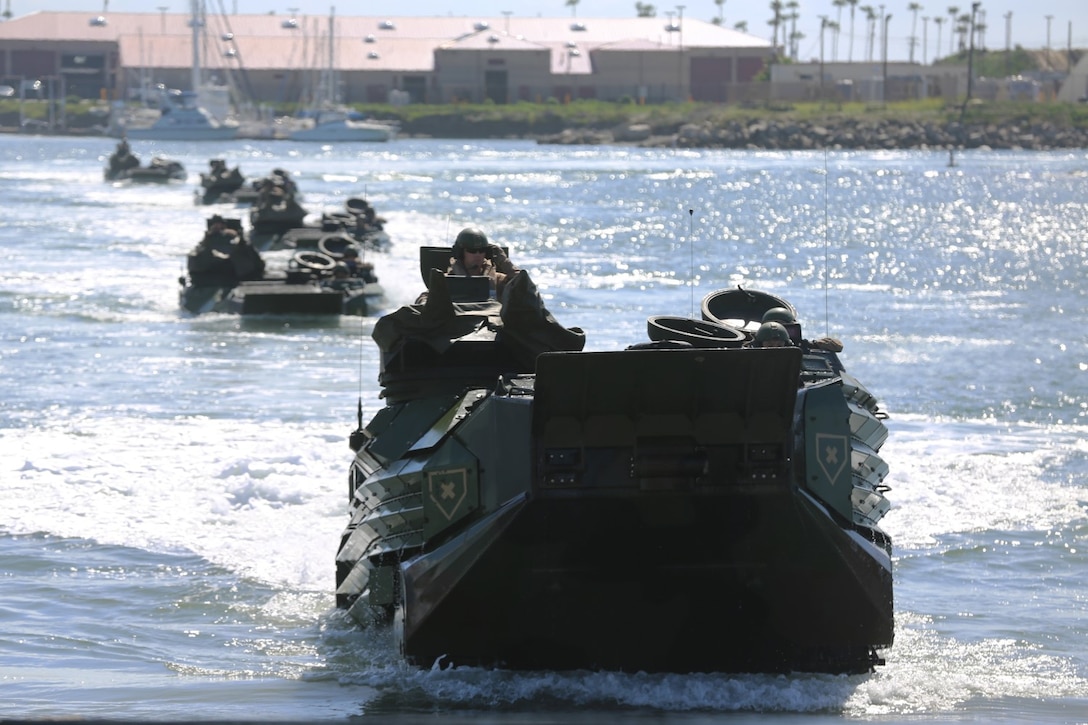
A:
{"x":353,"y":59}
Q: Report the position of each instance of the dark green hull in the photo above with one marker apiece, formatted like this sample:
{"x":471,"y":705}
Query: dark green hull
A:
{"x":738,"y":582}
{"x":280,"y":297}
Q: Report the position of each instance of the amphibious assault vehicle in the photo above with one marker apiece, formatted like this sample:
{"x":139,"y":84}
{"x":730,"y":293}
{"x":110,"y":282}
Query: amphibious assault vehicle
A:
{"x":692,"y":503}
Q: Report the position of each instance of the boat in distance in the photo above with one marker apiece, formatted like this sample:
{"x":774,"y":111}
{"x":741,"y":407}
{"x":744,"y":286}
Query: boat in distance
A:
{"x":691,"y":503}
{"x":183,"y":119}
{"x":339,"y":126}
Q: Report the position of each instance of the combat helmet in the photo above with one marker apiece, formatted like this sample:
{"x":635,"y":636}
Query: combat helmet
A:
{"x":779,"y":314}
{"x":771,"y":331}
{"x":469,"y":238}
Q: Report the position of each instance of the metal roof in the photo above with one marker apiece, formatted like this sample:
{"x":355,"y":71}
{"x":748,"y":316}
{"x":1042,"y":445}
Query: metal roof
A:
{"x":491,"y":40}
{"x":393,"y":43}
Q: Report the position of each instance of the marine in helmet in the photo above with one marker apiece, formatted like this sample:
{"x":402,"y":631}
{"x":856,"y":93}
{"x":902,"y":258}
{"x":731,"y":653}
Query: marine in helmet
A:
{"x":780,"y":315}
{"x":772,"y":334}
{"x":351,"y":261}
{"x":341,"y":277}
{"x":223,"y":257}
{"x":788,"y":320}
{"x":474,"y":255}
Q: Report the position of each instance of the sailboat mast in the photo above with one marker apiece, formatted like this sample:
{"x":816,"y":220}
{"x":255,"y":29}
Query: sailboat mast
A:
{"x":195,"y":24}
{"x":330,"y":92}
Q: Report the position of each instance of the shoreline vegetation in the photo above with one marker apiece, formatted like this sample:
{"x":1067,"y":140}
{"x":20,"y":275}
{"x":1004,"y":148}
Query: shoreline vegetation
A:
{"x":796,"y":126}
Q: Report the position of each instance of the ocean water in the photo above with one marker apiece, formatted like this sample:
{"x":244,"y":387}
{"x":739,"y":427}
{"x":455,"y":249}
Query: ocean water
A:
{"x":172,"y":488}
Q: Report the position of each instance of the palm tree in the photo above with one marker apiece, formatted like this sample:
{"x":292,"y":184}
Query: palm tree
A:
{"x":823,"y":27}
{"x":925,"y":40}
{"x":870,"y":19}
{"x":721,"y":18}
{"x":839,"y":5}
{"x":833,"y":27}
{"x":573,"y":5}
{"x":938,"y":21}
{"x":645,"y":10}
{"x":741,"y":26}
{"x":853,"y":4}
{"x":963,"y":27}
{"x":796,"y":36}
{"x":953,"y":11}
{"x":776,"y":6}
{"x":914,"y":8}
{"x":793,"y":6}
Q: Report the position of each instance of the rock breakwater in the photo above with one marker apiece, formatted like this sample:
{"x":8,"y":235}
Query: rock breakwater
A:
{"x":837,"y":134}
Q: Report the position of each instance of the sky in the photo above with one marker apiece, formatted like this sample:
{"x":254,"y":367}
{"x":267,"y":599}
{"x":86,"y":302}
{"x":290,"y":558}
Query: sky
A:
{"x":1028,"y":25}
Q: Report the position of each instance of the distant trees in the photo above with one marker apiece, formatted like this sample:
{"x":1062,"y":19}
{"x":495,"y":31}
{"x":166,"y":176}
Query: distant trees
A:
{"x":645,"y":10}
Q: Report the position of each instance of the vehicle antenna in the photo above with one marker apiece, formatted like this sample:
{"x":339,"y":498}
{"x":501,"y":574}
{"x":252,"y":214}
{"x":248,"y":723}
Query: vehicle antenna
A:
{"x":359,"y":405}
{"x":691,"y":248}
{"x":826,"y":323}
